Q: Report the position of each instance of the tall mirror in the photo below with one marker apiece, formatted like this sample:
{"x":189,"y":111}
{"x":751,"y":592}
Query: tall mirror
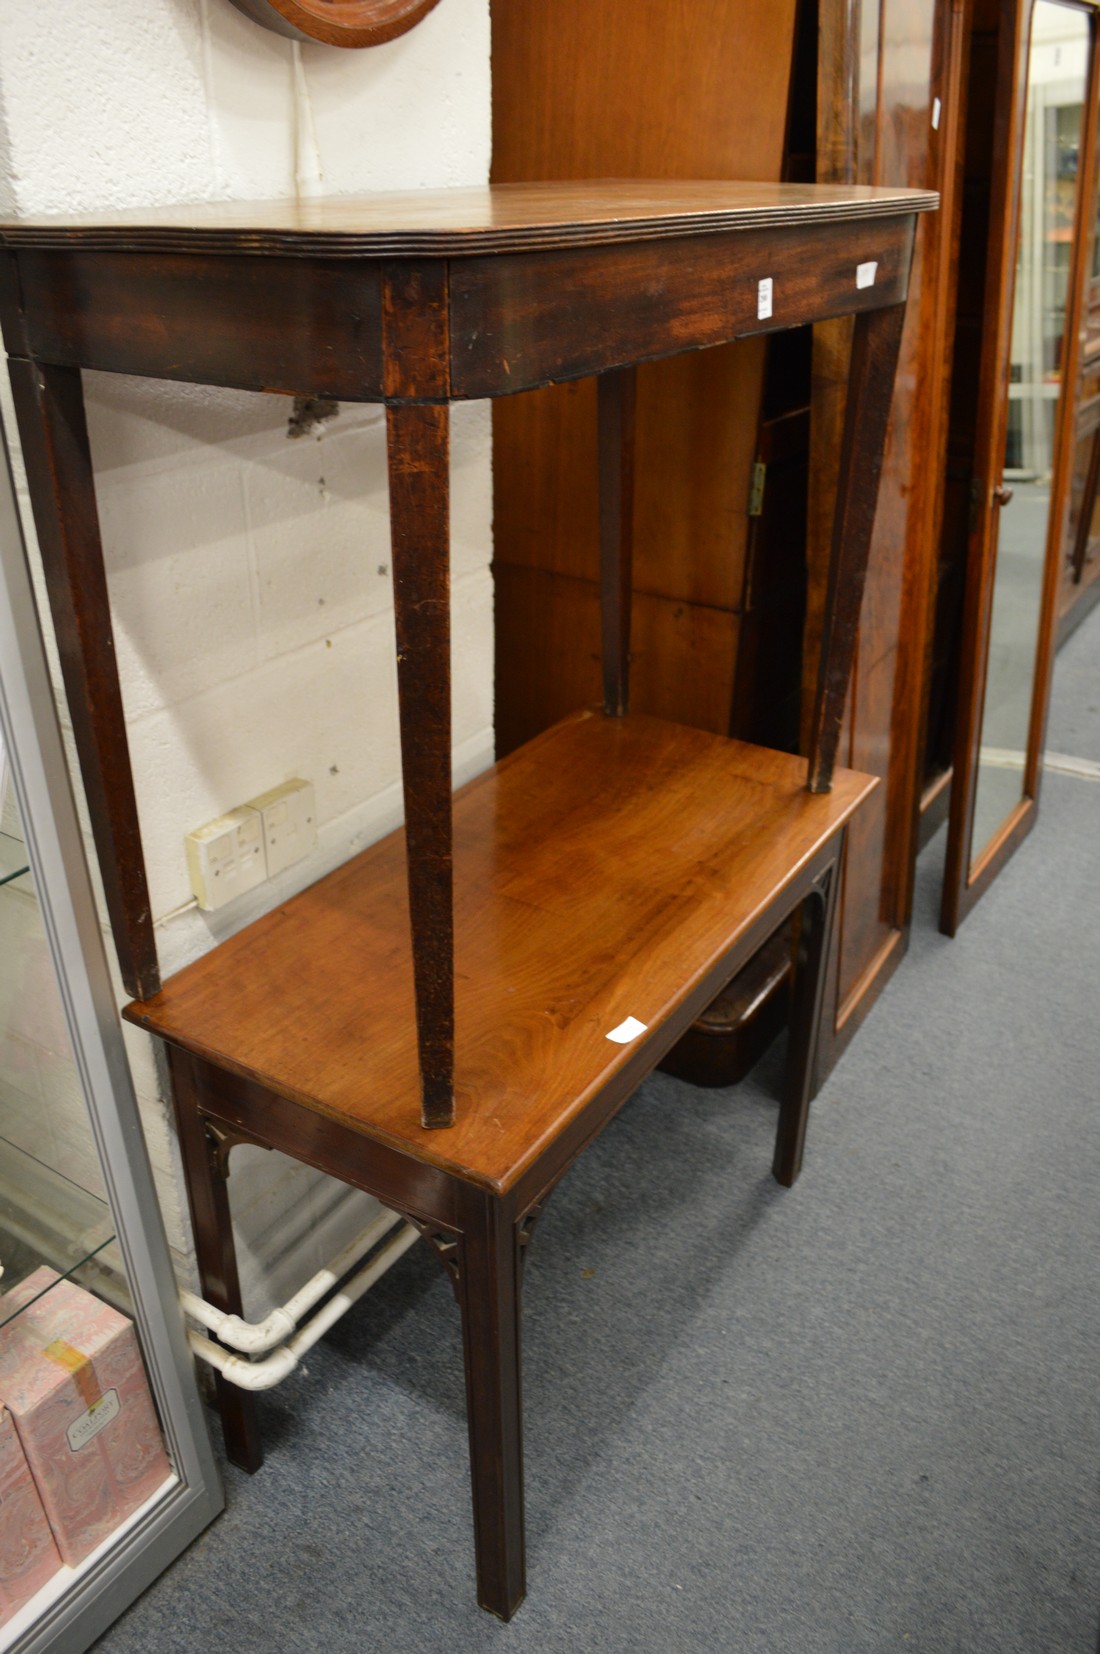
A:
{"x":1057,"y":83}
{"x":1017,"y":535}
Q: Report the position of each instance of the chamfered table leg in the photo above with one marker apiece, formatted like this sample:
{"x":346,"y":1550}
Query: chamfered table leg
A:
{"x":489,"y":1296}
{"x":815,"y":929}
{"x":419,"y":467}
{"x":208,"y":1199}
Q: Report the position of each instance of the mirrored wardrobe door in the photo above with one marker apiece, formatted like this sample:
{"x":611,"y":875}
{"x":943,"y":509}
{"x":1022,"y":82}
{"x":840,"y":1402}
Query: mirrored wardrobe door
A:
{"x":1034,"y":278}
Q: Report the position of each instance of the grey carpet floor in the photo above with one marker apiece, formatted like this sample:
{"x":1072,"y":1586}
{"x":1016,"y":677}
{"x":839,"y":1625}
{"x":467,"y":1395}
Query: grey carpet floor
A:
{"x":863,"y":1414}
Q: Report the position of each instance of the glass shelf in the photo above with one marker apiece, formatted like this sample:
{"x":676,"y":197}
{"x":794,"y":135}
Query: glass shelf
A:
{"x":13,"y":861}
{"x":46,"y":1219}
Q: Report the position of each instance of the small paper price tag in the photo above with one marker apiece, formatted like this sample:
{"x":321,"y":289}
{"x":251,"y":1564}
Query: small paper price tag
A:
{"x":764,"y":299}
{"x":626,"y":1031}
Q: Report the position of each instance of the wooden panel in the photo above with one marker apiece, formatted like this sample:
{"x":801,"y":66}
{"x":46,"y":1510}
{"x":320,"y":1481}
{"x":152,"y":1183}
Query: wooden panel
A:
{"x":589,"y":887}
{"x":681,"y":654}
{"x":620,"y":90}
{"x":866,"y":916}
{"x":700,"y":449}
{"x":898,"y":56}
{"x":697,"y":91}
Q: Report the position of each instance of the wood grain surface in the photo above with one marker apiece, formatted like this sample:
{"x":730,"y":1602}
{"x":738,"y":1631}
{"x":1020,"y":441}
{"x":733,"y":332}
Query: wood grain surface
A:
{"x":590,"y":886}
{"x":456,"y":222}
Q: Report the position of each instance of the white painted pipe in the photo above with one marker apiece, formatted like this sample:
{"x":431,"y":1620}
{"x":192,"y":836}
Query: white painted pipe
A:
{"x":254,"y":1337}
{"x":265,"y":1374}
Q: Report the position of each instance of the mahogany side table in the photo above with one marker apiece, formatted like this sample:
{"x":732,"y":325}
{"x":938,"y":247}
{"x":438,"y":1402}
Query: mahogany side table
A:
{"x":511,"y":964}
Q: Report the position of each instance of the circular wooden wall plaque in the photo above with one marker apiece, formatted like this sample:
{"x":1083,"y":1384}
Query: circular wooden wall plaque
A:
{"x":337,"y":22}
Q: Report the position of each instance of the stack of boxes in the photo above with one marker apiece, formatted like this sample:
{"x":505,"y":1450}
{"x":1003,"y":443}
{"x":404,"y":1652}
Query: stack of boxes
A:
{"x":80,"y":1447}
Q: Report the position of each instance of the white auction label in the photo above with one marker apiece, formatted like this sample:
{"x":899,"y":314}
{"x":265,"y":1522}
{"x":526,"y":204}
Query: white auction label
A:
{"x":626,"y":1031}
{"x":764,"y":299}
{"x":866,"y":273}
{"x":936,"y":107}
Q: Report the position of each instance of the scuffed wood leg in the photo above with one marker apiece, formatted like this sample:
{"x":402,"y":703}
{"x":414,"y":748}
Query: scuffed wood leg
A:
{"x":616,"y":395}
{"x":817,"y":915}
{"x":49,"y":403}
{"x":208,"y":1199}
{"x":489,"y":1295}
{"x":875,"y":343}
{"x":419,"y":466}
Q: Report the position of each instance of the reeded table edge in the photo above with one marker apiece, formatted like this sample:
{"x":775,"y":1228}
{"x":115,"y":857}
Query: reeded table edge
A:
{"x":131,"y":232}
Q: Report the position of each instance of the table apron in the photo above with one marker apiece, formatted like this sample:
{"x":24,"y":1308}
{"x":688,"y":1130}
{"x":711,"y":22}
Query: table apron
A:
{"x":315,"y":326}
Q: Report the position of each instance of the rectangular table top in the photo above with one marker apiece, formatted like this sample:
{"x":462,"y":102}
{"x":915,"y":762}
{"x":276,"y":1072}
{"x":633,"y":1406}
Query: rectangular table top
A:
{"x":601,"y":873}
{"x":467,"y":221}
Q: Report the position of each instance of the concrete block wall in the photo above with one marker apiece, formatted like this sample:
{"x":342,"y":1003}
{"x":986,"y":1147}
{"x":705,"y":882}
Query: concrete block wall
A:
{"x":249,"y":570}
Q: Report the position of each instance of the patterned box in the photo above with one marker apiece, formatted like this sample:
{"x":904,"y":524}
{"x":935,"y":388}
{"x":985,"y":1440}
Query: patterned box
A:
{"x":28,"y":1555}
{"x":72,"y":1378}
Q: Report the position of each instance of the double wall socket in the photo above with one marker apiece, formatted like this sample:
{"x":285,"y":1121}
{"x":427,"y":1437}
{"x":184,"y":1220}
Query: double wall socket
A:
{"x":251,"y":843}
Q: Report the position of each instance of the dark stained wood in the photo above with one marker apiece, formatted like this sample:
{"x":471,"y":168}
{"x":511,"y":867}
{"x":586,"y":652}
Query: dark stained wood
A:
{"x":419,"y":470}
{"x":615,"y":868}
{"x":205,"y":1173}
{"x":970,"y":869}
{"x":1008,"y":62}
{"x":49,"y":405}
{"x":545,"y":317}
{"x":738,"y":1026}
{"x":136,"y":313}
{"x":416,"y":332}
{"x":597,"y":817}
{"x":875,"y":344}
{"x":471,"y":325}
{"x":883,"y":65}
{"x":617,"y":394}
{"x":805,"y":1022}
{"x":353,"y":23}
{"x":489,"y":1270}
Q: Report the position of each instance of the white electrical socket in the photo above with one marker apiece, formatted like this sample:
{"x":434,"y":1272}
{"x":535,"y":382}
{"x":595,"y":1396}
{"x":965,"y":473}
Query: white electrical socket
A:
{"x":290,"y":823}
{"x":226,"y":857}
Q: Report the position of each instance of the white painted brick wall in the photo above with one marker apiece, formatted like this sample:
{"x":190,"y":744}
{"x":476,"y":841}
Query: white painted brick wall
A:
{"x":249,"y":573}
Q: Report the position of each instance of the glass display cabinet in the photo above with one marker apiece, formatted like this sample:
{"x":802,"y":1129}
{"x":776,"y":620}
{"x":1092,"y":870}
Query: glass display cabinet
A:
{"x":106,"y":1471}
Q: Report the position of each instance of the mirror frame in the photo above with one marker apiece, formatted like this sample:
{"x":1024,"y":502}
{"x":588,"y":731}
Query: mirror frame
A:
{"x":966,"y":877}
{"x":337,"y":22}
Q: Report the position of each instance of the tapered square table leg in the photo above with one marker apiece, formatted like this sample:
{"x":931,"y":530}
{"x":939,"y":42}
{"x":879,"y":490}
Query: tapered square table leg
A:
{"x":489,"y":1295}
{"x":817,"y":915}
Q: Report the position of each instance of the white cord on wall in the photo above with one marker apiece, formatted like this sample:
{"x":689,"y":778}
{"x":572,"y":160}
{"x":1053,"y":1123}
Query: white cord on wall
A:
{"x":309,"y":177}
